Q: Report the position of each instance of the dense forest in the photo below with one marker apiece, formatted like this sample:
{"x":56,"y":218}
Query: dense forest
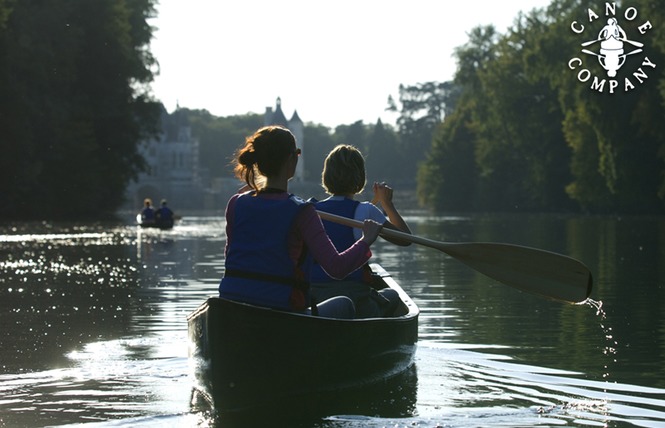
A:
{"x":74,"y":104}
{"x":532,"y":121}
{"x":531,"y":130}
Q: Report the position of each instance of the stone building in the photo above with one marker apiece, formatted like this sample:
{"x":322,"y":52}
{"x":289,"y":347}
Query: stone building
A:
{"x":173,"y":167}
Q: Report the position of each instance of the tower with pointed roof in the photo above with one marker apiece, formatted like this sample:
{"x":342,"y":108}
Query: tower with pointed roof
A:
{"x":295,"y":125}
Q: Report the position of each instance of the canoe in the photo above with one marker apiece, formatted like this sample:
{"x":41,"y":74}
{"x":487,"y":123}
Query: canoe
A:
{"x":247,"y":357}
{"x":155,"y":225}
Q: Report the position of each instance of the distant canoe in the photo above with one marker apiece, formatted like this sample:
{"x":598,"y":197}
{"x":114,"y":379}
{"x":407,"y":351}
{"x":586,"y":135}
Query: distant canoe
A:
{"x":248,"y":357}
{"x":163,"y":225}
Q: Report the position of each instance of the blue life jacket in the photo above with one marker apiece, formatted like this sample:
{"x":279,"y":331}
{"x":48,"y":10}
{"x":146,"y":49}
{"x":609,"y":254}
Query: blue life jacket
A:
{"x":164,"y":217}
{"x":148,"y":214}
{"x":258,"y":269}
{"x":340,"y":235}
{"x":165,"y":214}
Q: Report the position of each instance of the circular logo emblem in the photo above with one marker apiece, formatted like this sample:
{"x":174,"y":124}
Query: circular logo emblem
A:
{"x":603,"y":40}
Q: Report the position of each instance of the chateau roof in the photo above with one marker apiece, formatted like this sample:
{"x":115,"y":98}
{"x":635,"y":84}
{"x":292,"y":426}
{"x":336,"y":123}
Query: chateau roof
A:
{"x":278,"y":117}
{"x":295,"y":117}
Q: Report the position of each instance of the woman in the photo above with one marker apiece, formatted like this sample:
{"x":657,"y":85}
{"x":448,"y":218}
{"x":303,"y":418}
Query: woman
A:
{"x":343,"y":177}
{"x":269,"y":233}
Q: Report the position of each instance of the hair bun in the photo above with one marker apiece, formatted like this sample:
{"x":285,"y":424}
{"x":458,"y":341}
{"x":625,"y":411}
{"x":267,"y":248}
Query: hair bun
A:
{"x":247,"y":158}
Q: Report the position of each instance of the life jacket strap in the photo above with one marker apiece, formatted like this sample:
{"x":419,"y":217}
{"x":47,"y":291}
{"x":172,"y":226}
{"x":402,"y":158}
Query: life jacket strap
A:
{"x":291,"y":282}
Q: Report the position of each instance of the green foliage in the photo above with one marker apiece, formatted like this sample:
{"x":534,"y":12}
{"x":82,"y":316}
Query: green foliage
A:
{"x":319,"y":141}
{"x":450,"y":170}
{"x":74,"y":104}
{"x":219,"y":138}
{"x":616,"y":138}
{"x":386,"y":159}
{"x":383,"y":156}
{"x":541,"y":139}
{"x":421,"y":108}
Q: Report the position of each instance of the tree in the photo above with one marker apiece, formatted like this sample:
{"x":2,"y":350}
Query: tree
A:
{"x":616,"y":138}
{"x":383,"y":160}
{"x":318,"y":143}
{"x":447,"y":180}
{"x":521,"y":151}
{"x":421,"y":109}
{"x":74,"y":103}
{"x":220,"y":137}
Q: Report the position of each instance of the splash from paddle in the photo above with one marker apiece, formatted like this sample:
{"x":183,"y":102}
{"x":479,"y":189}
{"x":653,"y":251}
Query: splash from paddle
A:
{"x":540,"y":272}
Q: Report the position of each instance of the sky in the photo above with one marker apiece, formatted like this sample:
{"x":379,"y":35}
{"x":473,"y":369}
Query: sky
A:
{"x":334,"y":62}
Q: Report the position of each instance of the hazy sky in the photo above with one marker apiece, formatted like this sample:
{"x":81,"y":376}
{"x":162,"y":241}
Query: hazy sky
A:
{"x":335,"y":62}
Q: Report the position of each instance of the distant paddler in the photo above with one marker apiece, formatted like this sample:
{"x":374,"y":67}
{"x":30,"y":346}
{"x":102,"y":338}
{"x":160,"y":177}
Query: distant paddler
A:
{"x":148,"y":213}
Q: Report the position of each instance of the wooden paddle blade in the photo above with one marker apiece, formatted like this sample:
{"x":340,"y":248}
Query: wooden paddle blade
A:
{"x":540,"y":272}
{"x":529,"y":269}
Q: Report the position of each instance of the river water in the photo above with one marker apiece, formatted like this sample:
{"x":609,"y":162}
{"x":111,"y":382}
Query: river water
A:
{"x":93,"y":327}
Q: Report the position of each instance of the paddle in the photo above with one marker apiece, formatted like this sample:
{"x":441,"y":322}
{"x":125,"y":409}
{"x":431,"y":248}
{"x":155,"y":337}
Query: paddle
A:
{"x":541,"y":272}
{"x":637,"y":44}
{"x":586,"y":51}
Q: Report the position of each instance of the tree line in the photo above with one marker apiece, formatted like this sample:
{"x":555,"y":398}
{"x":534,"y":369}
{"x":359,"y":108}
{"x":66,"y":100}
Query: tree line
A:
{"x":530,"y":133}
{"x":515,"y":130}
{"x":220,"y":137}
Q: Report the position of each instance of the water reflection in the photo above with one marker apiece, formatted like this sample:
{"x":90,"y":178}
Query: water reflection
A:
{"x":112,"y":379}
{"x":393,"y":398}
{"x":94,"y":328}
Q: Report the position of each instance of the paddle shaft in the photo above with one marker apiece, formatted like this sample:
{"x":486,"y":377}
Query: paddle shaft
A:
{"x":388,"y":233}
{"x":536,"y":271}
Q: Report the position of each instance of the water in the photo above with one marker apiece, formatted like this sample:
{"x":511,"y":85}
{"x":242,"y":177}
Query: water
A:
{"x":93,"y":328}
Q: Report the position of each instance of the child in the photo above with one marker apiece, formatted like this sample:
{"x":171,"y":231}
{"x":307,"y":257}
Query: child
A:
{"x":343,"y":177}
